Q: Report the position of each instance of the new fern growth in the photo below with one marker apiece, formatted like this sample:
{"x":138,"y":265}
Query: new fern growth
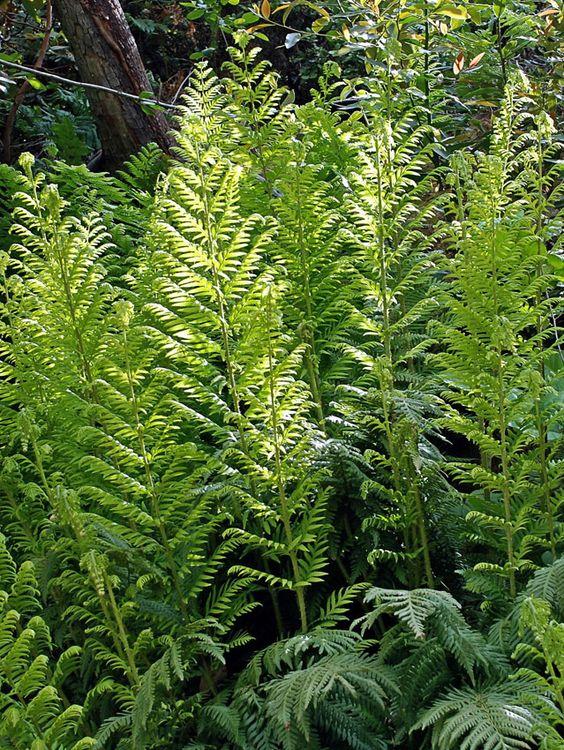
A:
{"x":228,"y":381}
{"x":497,"y":318}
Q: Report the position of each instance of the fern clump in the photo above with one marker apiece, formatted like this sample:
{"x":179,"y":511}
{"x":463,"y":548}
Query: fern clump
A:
{"x":495,"y":335}
{"x":280,"y":431}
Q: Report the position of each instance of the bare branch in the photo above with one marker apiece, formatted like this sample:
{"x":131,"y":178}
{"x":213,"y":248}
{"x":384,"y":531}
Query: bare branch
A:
{"x":81,"y":84}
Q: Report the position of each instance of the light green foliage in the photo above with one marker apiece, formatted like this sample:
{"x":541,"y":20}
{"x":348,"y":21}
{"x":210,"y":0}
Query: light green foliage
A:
{"x":548,"y":634}
{"x":229,"y":386}
{"x":498,"y":335}
{"x":35,"y":711}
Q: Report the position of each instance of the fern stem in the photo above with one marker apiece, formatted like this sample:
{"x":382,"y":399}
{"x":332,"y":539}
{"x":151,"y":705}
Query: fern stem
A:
{"x":387,"y":384}
{"x":485,"y":460}
{"x":275,"y":605}
{"x":544,"y":477}
{"x":41,"y":471}
{"x":116,"y":636}
{"x":155,"y":505}
{"x":506,"y":482}
{"x":81,"y":349}
{"x":506,"y":492}
{"x":133,"y":673}
{"x":499,"y":369}
{"x":555,"y":679}
{"x":426,"y":64}
{"x":307,"y":334}
{"x":499,"y":43}
{"x":255,"y":125}
{"x":540,"y":421}
{"x":424,"y":539}
{"x":224,"y":326}
{"x":284,"y":509}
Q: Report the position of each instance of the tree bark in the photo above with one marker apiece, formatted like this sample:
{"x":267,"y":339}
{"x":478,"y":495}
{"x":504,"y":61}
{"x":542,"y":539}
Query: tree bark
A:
{"x":106,"y":54}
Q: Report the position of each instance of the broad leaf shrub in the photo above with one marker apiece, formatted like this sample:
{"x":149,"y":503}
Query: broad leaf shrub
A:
{"x":281,"y":435}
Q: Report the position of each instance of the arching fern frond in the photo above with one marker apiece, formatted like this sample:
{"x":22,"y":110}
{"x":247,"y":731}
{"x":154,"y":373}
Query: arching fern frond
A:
{"x":474,"y":718}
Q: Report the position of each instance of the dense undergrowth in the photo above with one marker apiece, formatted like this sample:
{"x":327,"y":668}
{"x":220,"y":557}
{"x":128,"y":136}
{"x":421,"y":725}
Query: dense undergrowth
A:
{"x":281,"y":434}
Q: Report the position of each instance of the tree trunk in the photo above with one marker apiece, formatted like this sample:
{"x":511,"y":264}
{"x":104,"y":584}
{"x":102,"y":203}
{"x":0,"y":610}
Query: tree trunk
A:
{"x":106,"y":54}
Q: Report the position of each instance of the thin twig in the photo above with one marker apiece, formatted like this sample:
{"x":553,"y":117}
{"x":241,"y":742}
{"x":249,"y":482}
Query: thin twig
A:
{"x":81,"y":84}
{"x":181,"y":87}
{"x":24,"y":88}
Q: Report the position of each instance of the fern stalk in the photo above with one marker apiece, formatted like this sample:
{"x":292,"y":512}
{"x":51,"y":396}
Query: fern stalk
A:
{"x":155,"y":509}
{"x":387,"y":380}
{"x":306,"y":331}
{"x":103,"y":587}
{"x":284,"y":510}
{"x":542,"y":132}
{"x":502,"y":417}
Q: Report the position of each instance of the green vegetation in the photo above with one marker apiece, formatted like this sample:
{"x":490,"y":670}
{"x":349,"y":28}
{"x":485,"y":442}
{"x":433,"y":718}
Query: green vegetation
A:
{"x":281,"y":419}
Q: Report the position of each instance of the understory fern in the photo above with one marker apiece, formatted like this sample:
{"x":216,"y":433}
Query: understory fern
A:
{"x":280,"y":432}
{"x":497,"y":336}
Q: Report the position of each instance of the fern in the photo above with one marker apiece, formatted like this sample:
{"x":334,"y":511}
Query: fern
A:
{"x":223,"y":309}
{"x":487,"y":716}
{"x":488,"y":365}
{"x":411,"y":607}
{"x":228,"y":382}
{"x":536,"y":615}
{"x":35,"y":711}
{"x":288,"y":694}
{"x":548,"y":583}
{"x":260,"y":107}
{"x":396,"y":299}
{"x":310,"y":249}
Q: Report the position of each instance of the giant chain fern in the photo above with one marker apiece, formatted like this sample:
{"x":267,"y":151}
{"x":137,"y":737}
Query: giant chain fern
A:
{"x":392,"y":241}
{"x":228,"y":382}
{"x":498,"y":318}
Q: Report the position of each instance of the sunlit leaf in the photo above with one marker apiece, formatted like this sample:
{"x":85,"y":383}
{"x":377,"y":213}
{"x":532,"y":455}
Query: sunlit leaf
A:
{"x":456,"y":12}
{"x":292,"y":39}
{"x":476,"y":60}
{"x":458,"y":64}
{"x":318,"y":24}
{"x":35,"y":83}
